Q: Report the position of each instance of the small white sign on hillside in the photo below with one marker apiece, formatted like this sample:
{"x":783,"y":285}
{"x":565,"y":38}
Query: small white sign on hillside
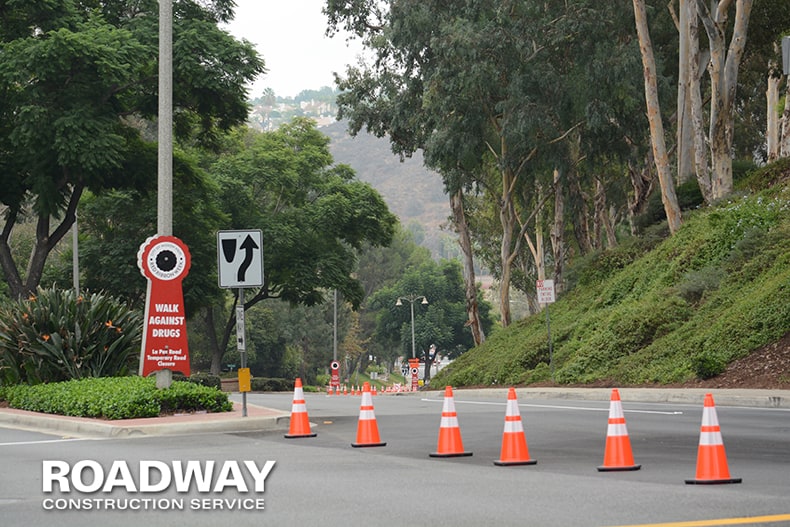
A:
{"x":545,"y":290}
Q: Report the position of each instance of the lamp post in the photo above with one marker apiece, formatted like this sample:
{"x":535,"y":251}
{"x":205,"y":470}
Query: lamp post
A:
{"x":411,"y":299}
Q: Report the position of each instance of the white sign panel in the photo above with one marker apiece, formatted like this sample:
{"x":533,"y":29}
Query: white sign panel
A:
{"x":545,"y":290}
{"x":240,"y":258}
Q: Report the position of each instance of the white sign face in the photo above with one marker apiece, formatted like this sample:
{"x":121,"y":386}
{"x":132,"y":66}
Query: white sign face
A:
{"x":545,"y":290}
{"x":240,"y":258}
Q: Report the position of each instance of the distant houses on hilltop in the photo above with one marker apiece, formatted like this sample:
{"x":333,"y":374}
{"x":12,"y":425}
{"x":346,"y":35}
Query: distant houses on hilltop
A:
{"x":269,"y":111}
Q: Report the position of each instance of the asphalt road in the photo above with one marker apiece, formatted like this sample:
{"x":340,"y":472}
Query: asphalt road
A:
{"x":324,"y":481}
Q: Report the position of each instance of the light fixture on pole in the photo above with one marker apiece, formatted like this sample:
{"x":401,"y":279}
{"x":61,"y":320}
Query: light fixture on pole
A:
{"x":411,"y":299}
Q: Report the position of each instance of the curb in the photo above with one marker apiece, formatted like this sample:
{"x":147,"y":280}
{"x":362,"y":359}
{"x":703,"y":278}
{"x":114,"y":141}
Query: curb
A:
{"x":157,"y":426}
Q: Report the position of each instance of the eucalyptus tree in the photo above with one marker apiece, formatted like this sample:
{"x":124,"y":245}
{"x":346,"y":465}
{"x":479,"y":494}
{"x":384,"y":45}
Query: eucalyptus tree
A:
{"x":454,"y":79}
{"x":77,"y":87}
{"x":482,"y":87}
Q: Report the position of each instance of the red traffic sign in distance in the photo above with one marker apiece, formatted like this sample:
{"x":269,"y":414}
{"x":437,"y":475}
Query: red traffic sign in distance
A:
{"x":545,"y":289}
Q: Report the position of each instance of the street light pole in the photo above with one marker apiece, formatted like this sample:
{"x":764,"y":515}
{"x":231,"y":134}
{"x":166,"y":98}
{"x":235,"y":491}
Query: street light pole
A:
{"x":411,"y":299}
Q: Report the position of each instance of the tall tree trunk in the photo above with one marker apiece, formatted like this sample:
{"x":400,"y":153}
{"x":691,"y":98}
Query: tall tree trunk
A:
{"x":701,"y":165}
{"x":772,"y":117}
{"x":668,"y":196}
{"x":581,"y":213}
{"x":470,"y":285}
{"x":685,"y":131}
{"x":507,"y":217}
{"x":558,"y":234}
{"x":723,"y":71}
{"x":642,"y":180}
{"x":784,"y":147}
{"x":536,"y":248}
{"x":603,"y":221}
{"x":45,"y":242}
{"x":211,"y":330}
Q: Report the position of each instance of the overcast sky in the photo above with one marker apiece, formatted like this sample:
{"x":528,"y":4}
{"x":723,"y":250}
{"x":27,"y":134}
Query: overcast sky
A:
{"x":289,"y":34}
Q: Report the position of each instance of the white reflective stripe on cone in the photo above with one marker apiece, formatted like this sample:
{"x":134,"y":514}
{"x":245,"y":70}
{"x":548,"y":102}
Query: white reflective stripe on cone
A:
{"x":449,"y":422}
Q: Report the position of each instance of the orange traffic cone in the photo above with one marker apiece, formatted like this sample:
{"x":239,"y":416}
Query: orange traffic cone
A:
{"x":373,"y":391}
{"x":300,"y":423}
{"x":367,"y":429}
{"x":450,"y":444}
{"x":514,"y":442}
{"x":618,"y":455}
{"x":711,"y":457}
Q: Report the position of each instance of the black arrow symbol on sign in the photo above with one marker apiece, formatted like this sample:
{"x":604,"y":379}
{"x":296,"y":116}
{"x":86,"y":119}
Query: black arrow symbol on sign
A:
{"x":249,"y":246}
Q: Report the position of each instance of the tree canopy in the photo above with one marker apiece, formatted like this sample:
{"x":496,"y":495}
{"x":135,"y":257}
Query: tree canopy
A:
{"x":78,"y":85}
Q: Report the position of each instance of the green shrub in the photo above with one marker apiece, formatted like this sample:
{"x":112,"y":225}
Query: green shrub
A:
{"x":323,"y":379}
{"x":708,"y":364}
{"x":115,"y":398}
{"x":190,"y":397}
{"x":696,"y":283}
{"x":205,"y":379}
{"x":268,"y":384}
{"x":56,"y":335}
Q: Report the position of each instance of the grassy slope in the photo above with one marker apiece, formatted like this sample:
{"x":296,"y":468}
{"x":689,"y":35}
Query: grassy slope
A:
{"x":658,"y":312}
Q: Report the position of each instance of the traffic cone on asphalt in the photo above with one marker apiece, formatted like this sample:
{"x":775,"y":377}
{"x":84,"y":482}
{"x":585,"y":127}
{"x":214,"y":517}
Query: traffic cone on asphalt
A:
{"x":300,"y":423}
{"x":450,"y":444}
{"x":514,"y":442}
{"x":711,"y":458}
{"x":618,"y":454}
{"x":367,"y":429}
{"x":373,"y":390}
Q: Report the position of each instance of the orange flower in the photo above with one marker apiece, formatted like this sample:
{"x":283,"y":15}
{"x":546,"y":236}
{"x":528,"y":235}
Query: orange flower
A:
{"x":45,"y":337}
{"x":108,"y":324}
{"x":32,"y":298}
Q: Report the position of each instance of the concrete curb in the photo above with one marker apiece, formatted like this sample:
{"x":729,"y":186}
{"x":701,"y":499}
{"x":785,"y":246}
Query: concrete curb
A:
{"x":258,"y":419}
{"x":688,"y":396}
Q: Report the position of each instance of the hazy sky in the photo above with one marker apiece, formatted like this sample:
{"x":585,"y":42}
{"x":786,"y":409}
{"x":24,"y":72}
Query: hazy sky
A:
{"x":290,"y":35}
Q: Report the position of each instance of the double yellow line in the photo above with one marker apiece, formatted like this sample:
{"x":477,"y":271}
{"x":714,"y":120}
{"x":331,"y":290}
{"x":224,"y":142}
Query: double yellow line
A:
{"x":754,"y":520}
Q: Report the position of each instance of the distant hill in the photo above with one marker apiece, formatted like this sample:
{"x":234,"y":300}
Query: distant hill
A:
{"x":412,"y":192}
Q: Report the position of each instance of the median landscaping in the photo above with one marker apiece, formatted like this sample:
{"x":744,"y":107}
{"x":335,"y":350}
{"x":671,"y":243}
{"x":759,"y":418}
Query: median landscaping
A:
{"x":115,"y":398}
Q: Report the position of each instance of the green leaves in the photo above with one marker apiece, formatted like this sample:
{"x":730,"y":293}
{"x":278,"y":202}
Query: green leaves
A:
{"x":56,"y":335}
{"x":78,"y":87}
{"x":116,"y":398}
{"x":313,"y":215}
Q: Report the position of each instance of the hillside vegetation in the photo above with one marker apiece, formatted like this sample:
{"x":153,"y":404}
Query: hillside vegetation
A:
{"x":657,"y":309}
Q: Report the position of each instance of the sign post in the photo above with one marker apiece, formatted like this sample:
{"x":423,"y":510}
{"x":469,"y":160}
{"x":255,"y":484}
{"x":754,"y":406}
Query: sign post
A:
{"x":240,"y":265}
{"x":545,"y":289}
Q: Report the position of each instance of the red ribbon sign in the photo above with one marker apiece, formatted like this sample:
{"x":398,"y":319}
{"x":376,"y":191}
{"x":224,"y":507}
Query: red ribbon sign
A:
{"x":164,"y":261}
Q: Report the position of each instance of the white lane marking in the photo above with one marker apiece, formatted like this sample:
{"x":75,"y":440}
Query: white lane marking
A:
{"x":44,"y":441}
{"x":557,"y":407}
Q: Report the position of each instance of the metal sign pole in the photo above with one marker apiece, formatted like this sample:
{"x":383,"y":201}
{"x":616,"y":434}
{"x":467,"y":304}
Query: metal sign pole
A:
{"x":240,"y":334}
{"x":551,"y":354}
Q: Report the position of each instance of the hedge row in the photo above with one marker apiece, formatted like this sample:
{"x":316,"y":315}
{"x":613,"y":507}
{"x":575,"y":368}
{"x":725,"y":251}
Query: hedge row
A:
{"x":115,"y":398}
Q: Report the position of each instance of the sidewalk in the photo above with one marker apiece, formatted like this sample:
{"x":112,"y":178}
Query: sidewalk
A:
{"x":258,"y":418}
